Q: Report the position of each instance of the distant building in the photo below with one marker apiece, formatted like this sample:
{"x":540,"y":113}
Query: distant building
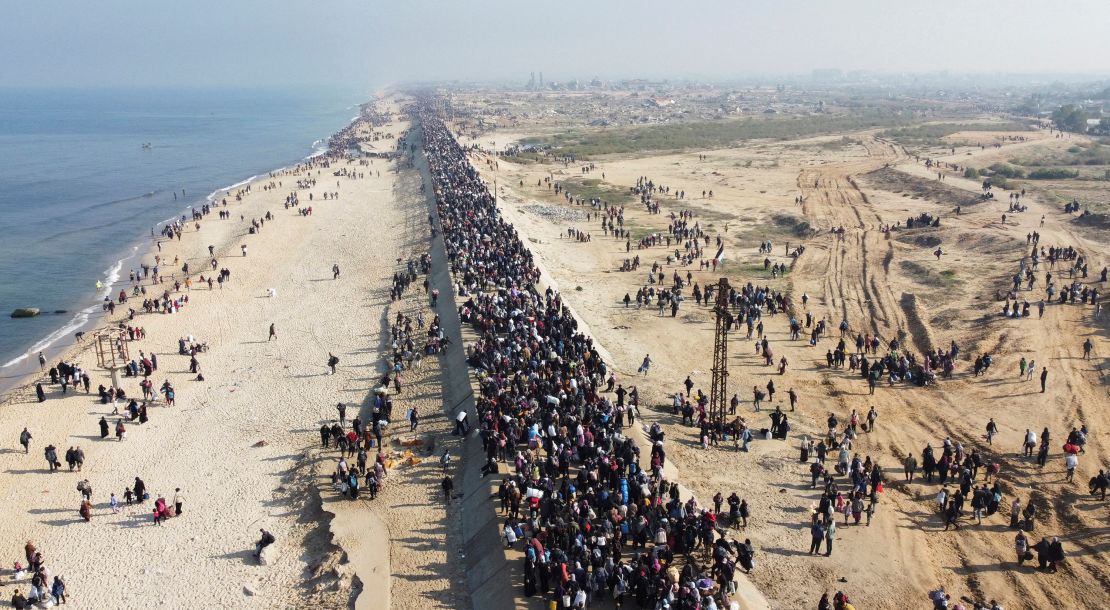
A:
{"x":827,"y":74}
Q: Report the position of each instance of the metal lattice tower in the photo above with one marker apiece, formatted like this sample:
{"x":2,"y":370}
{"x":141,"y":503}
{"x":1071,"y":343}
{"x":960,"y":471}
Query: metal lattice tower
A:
{"x":718,"y":399}
{"x":112,"y":353}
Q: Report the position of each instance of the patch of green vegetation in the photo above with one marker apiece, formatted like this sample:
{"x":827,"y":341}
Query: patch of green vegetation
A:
{"x":934,"y":132}
{"x":841,"y":144}
{"x":971,"y":172}
{"x":1070,"y":118}
{"x":838,"y":144}
{"x":1084,"y":153}
{"x":926,"y":276}
{"x":757,"y":269}
{"x":1008,"y":171}
{"x":593,"y":188}
{"x":637,"y":232}
{"x":1001,"y":182}
{"x":1053,"y":173}
{"x":796,"y":226}
{"x":531,"y":157}
{"x":711,"y":134}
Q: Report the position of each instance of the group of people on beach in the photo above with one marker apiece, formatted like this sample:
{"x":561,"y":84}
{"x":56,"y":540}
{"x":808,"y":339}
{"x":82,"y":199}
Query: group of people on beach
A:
{"x":68,"y":374}
{"x":44,"y":590}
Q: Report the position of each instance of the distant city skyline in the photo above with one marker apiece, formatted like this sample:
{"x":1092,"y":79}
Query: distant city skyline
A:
{"x":366,"y":44}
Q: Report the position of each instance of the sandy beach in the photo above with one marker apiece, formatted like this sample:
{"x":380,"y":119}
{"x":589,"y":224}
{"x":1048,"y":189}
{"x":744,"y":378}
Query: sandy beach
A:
{"x":242,"y":444}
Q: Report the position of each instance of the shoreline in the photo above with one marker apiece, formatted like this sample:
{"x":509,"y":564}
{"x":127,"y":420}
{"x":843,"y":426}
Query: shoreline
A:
{"x":240,"y":409}
{"x":20,"y":370}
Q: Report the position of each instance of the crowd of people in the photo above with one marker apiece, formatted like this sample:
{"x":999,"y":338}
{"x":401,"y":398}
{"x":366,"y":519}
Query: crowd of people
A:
{"x":596,"y":519}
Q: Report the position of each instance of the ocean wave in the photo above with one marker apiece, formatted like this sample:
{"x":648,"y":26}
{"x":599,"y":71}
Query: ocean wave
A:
{"x":108,"y":224}
{"x":319,"y":147}
{"x":111,"y":279}
{"x":214,"y":194}
{"x":76,"y":322}
{"x":15,"y":360}
{"x":104,"y":204}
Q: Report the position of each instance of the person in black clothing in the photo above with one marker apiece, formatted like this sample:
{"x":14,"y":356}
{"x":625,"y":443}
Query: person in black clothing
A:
{"x":266,"y":540}
{"x":1099,"y":483}
{"x":140,"y":490}
{"x":448,"y":485}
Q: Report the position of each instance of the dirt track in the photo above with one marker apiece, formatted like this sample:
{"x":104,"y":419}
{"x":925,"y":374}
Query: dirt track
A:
{"x":891,"y":285}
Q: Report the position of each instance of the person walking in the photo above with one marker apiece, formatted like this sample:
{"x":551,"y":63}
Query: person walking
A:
{"x":58,"y":590}
{"x":273,"y":332}
{"x":829,"y":532}
{"x":910,"y":466}
{"x":25,"y":440}
{"x":178,"y":500}
{"x":335,"y":271}
{"x":448,"y":485}
{"x":1071,"y":462}
{"x":817,"y":534}
{"x":414,"y":419}
{"x":992,"y":429}
{"x":955,"y":506}
{"x":1044,"y":378}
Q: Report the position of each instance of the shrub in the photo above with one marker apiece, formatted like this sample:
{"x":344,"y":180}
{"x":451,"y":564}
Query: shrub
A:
{"x":971,"y":172}
{"x":1009,"y":171}
{"x":1049,"y":173}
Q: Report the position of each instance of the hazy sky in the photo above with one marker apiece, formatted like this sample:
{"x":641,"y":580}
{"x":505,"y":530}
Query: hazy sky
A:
{"x":366,"y":43}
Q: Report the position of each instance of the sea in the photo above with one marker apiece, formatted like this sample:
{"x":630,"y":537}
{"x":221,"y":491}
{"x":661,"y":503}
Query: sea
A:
{"x":86,"y":174}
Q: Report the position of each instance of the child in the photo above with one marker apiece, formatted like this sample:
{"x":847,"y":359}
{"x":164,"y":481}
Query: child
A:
{"x":129,"y":496}
{"x":114,"y":503}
